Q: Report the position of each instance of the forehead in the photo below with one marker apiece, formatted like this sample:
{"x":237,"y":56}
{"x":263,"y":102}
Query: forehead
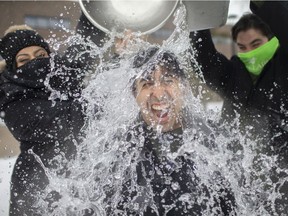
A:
{"x":250,"y":34}
{"x":158,"y":71}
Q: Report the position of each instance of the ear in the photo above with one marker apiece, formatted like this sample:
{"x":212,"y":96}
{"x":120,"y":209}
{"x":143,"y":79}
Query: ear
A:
{"x":2,"y":65}
{"x":134,"y":89}
{"x":134,"y":93}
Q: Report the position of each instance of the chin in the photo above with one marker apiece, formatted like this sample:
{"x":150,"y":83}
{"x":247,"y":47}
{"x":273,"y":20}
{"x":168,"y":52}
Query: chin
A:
{"x":163,"y":128}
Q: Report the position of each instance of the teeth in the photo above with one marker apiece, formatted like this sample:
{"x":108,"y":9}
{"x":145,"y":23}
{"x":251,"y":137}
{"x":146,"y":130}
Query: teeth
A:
{"x":160,"y":107}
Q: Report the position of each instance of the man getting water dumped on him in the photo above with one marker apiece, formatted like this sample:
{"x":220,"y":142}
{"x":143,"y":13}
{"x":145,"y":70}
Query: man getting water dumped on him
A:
{"x":167,"y":179}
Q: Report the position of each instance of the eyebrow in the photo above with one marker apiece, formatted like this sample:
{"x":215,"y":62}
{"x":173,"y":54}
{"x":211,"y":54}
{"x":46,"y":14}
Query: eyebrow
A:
{"x":169,"y":74}
{"x":145,"y":79}
{"x":24,"y":54}
{"x":36,"y":51}
{"x":39,"y":50}
{"x":254,"y":41}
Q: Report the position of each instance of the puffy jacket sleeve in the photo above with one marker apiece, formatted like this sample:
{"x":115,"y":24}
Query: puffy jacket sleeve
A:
{"x":275,"y":14}
{"x":85,"y":50}
{"x":207,"y":61}
{"x":33,"y":118}
{"x":88,"y":30}
{"x":38,"y":120}
{"x":66,"y":77}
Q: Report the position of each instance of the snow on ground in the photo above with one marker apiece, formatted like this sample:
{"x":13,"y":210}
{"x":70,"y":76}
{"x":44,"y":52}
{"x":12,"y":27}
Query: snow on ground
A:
{"x":6,"y":167}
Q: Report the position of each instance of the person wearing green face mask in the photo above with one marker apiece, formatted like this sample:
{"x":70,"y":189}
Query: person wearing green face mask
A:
{"x":253,"y":83}
{"x":256,"y":59}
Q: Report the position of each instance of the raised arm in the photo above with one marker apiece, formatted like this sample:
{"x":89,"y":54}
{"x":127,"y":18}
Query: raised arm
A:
{"x":275,"y":14}
{"x":215,"y":67}
{"x":85,"y":51}
{"x":36,"y":121}
{"x":31,"y":116}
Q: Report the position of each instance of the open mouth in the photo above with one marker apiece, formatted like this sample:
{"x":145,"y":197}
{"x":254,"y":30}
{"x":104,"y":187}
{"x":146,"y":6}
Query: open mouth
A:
{"x":161,"y":112}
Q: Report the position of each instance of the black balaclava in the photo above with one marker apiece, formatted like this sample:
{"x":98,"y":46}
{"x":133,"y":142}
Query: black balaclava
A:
{"x":32,"y":74}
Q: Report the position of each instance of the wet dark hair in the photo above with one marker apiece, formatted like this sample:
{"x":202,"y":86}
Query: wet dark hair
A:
{"x":251,"y":21}
{"x":146,"y":61}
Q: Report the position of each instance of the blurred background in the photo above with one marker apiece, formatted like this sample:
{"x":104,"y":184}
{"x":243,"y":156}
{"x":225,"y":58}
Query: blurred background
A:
{"x":49,"y":18}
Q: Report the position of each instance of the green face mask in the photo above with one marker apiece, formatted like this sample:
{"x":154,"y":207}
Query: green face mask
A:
{"x":256,"y":59}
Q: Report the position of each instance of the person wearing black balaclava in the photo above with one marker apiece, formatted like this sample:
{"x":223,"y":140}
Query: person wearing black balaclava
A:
{"x":254,"y":83}
{"x":44,"y":128}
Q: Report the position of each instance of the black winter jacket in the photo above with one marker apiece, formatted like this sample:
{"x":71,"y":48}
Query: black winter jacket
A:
{"x":263,"y":104}
{"x":44,"y":128}
{"x":172,"y":187}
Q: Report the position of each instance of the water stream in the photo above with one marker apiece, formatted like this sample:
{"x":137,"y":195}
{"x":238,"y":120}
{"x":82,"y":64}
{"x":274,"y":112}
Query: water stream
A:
{"x":105,"y":159}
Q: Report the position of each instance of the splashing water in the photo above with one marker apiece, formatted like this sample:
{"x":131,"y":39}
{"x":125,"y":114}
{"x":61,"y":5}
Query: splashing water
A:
{"x":109,"y":155}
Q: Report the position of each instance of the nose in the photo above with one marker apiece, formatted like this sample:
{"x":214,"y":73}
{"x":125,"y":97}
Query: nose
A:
{"x":158,"y":91}
{"x":249,"y":49}
{"x":31,"y":57}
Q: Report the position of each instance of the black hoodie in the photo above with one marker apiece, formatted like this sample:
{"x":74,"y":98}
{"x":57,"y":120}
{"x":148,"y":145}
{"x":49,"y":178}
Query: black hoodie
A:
{"x":171,"y":186}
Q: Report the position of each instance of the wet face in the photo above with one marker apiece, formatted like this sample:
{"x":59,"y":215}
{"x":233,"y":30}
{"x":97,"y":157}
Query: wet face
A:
{"x":250,"y":40}
{"x":160,"y":99}
{"x":29,"y":53}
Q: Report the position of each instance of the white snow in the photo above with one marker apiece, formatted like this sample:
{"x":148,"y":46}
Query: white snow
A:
{"x":6,"y":167}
